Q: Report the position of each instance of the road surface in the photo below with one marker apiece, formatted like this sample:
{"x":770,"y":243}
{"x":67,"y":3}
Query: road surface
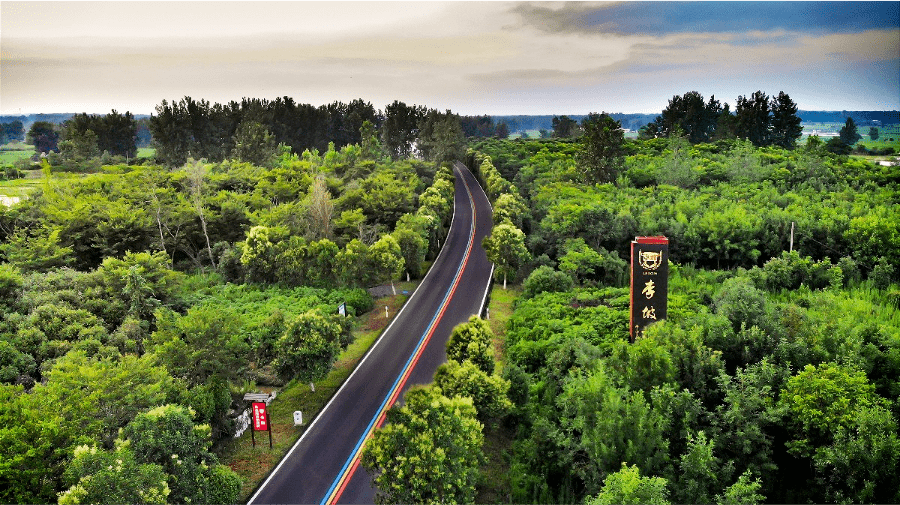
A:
{"x":323,"y":467}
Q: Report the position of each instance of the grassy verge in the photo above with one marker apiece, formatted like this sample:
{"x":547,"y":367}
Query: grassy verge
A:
{"x":253,"y":464}
{"x":494,"y":484}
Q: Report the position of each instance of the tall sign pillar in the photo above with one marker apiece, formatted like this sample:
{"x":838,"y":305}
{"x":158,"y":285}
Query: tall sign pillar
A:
{"x":649,"y":282}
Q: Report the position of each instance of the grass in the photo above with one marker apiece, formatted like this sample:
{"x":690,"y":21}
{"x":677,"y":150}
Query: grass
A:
{"x":253,"y":464}
{"x":15,"y":151}
{"x":146,"y":152}
{"x":494,"y":484}
{"x":21,"y":188}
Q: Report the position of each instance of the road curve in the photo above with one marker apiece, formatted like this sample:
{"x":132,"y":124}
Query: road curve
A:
{"x":322,"y":467}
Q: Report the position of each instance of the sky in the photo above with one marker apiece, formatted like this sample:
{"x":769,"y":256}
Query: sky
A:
{"x":497,"y":58}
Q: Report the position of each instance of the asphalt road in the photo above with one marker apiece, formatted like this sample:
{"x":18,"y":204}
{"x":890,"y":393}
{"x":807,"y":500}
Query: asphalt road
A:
{"x":322,"y":466}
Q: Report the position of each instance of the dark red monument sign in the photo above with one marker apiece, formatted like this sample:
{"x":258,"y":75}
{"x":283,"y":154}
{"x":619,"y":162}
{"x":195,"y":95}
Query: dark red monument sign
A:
{"x":649,"y":282}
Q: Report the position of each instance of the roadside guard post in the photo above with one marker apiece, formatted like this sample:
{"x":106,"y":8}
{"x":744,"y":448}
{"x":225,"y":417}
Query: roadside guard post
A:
{"x":649,"y":282}
{"x":261,"y":421}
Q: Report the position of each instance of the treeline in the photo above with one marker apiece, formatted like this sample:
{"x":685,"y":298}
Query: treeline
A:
{"x":216,"y":132}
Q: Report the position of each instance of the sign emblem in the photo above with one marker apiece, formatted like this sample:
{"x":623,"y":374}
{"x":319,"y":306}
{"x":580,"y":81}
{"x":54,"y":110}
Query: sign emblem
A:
{"x":650,"y":260}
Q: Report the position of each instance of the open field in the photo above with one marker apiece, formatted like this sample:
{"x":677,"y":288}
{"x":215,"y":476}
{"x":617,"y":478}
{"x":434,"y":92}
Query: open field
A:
{"x":15,"y":151}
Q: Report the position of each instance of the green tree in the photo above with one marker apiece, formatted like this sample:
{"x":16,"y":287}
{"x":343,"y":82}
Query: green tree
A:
{"x":786,"y":129}
{"x":93,"y":398}
{"x":602,"y":425}
{"x":31,"y":449}
{"x":743,"y":492}
{"x":849,"y":134}
{"x":79,"y":147}
{"x":385,"y":260}
{"x":428,"y":452}
{"x":472,"y":341}
{"x":205,"y":342}
{"x":601,"y":156}
{"x":753,"y":119}
{"x":43,"y":136}
{"x":411,"y":235}
{"x":489,"y":393}
{"x":627,"y":486}
{"x":166,"y":436}
{"x":254,"y":144}
{"x":400,"y":128}
{"x":584,"y":263}
{"x":446,"y":143}
{"x":505,"y":247}
{"x":687,"y":115}
{"x":545,"y":278}
{"x":308,"y":348}
{"x":822,"y":399}
{"x":873,"y":133}
{"x":564,"y":127}
{"x":99,"y":476}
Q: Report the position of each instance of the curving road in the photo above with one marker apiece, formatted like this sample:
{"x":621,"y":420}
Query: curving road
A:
{"x":323,"y":466}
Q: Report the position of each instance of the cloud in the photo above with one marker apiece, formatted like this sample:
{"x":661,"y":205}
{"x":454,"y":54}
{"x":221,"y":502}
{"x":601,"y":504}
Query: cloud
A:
{"x":663,"y":18}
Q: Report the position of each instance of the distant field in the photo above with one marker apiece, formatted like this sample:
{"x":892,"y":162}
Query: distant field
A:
{"x":19,"y":188}
{"x":12,"y":152}
{"x":146,"y":152}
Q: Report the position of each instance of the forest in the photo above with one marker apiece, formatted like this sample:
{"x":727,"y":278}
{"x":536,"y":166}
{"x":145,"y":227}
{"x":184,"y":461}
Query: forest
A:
{"x":142,"y":297}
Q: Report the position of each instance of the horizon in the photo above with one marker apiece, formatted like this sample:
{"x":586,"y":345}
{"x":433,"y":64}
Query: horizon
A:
{"x":481,"y":58}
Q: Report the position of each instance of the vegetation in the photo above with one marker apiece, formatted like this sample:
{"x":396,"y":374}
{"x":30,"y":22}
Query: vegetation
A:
{"x":139,"y":296}
{"x":774,"y":368}
{"x":142,"y":295}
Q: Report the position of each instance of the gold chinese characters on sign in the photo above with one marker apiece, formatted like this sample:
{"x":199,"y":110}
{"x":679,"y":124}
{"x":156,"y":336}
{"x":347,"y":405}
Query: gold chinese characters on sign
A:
{"x":649,"y":282}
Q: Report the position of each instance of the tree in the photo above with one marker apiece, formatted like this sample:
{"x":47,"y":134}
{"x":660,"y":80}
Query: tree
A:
{"x":385,"y":260}
{"x":502,"y":131}
{"x":31,"y":451}
{"x":99,"y":476}
{"x":601,"y":155}
{"x":321,"y":210}
{"x":786,"y":129}
{"x":602,"y":425}
{"x":411,"y":235}
{"x":743,"y":492}
{"x":472,"y":341}
{"x":79,"y":146}
{"x":545,"y":278}
{"x":753,"y":119}
{"x":428,"y":452}
{"x":205,"y":342}
{"x":93,"y":398}
{"x":196,"y":175}
{"x":564,"y":127}
{"x":166,"y":436}
{"x":688,"y":115}
{"x":822,"y":399}
{"x":442,"y":139}
{"x":43,"y":136}
{"x":873,"y":133}
{"x":581,"y":261}
{"x":254,"y":144}
{"x":505,"y":247}
{"x":849,"y":134}
{"x":308,"y":348}
{"x":400,"y":128}
{"x":487,"y":391}
{"x":627,"y":486}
